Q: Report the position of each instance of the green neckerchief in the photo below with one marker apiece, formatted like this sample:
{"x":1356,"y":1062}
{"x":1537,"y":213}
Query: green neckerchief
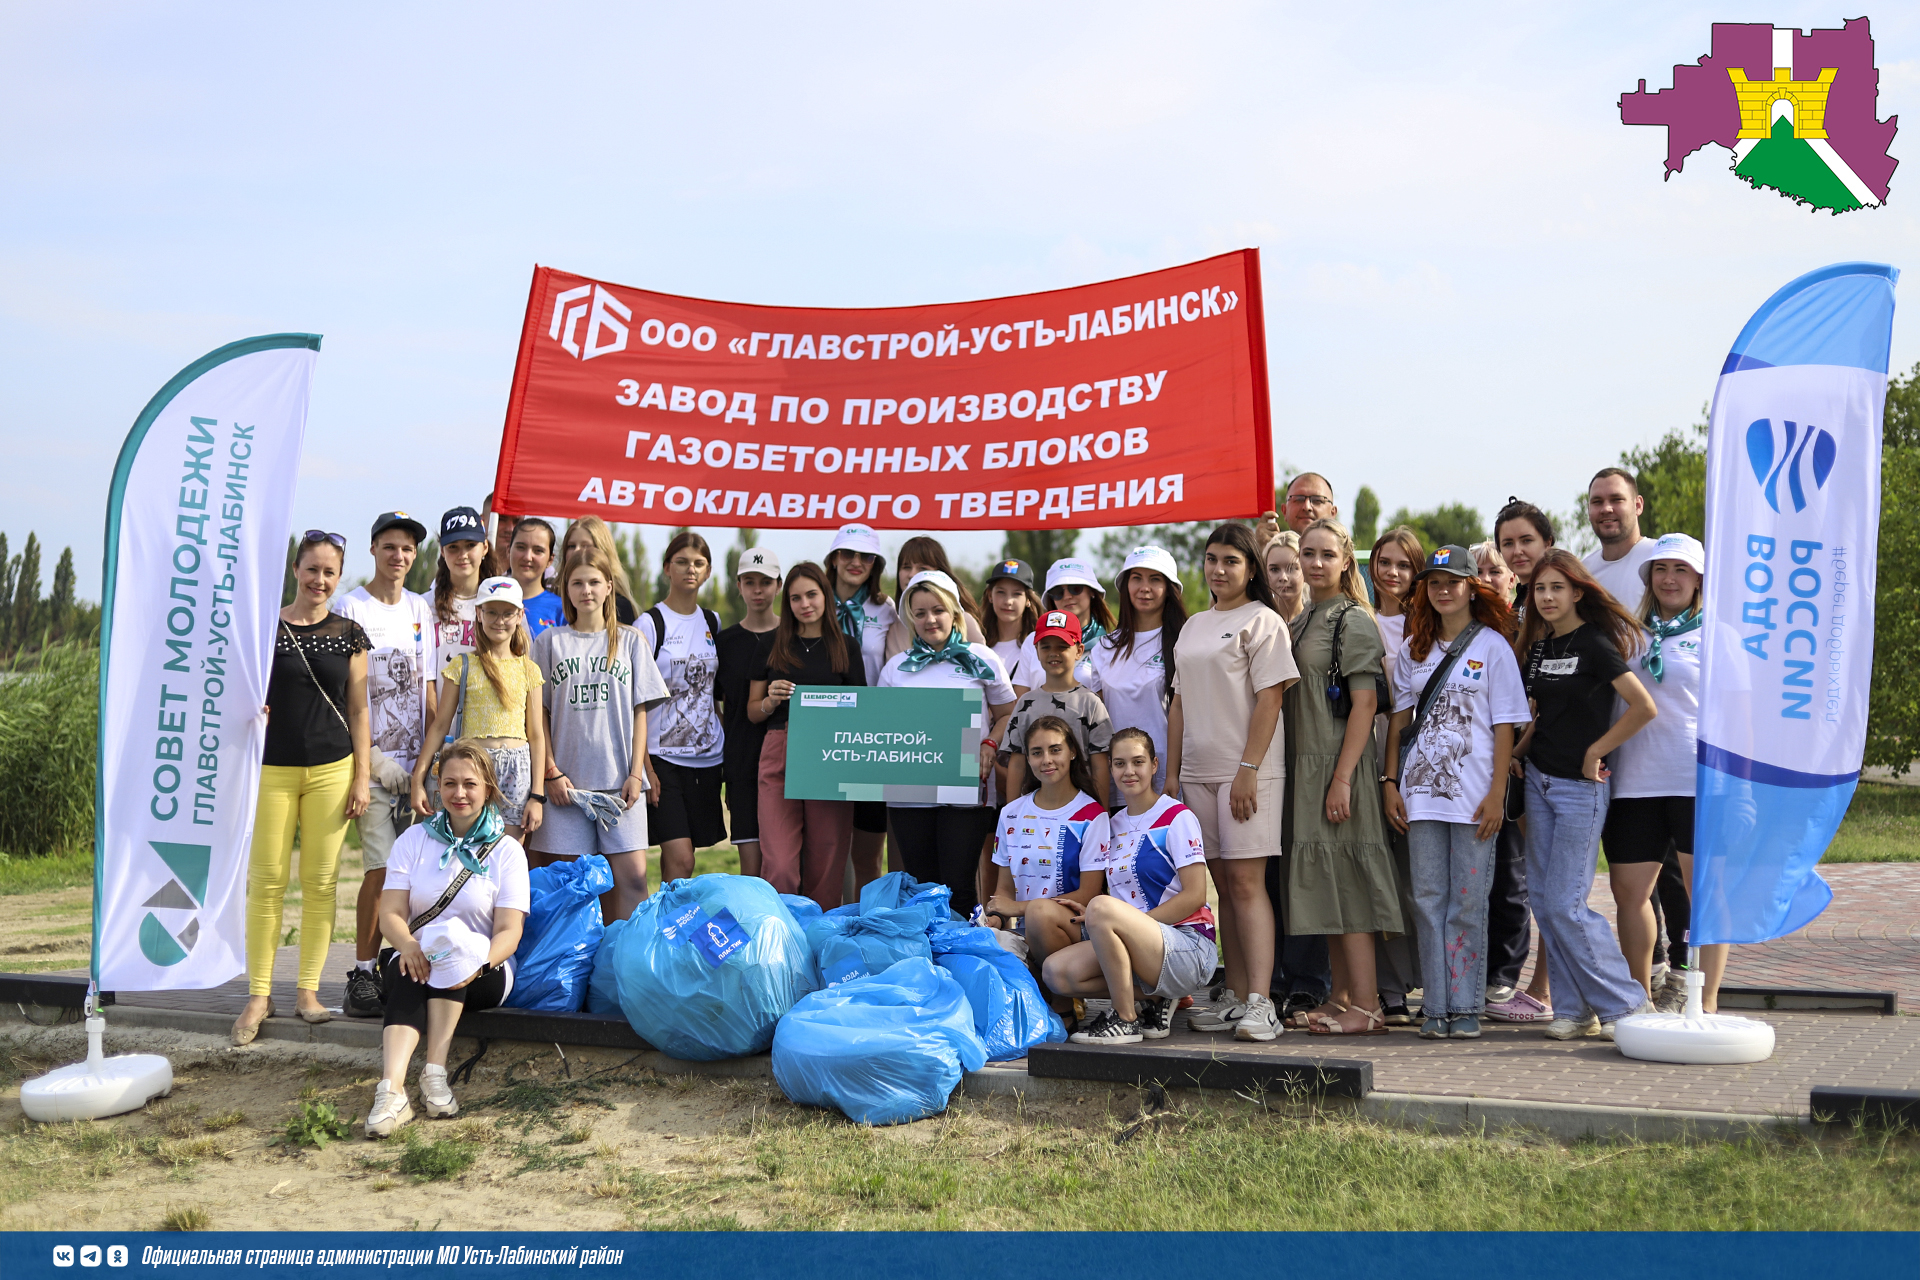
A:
{"x":1090,"y":634}
{"x":853,"y":614}
{"x":1655,"y":664}
{"x":956,"y":651}
{"x":486,"y":829}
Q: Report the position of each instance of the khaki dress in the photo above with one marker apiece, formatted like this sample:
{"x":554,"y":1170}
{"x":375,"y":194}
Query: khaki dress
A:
{"x":1340,"y":878}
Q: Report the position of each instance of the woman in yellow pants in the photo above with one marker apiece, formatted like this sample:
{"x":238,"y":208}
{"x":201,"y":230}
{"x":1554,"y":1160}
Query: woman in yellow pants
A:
{"x":315,"y":778}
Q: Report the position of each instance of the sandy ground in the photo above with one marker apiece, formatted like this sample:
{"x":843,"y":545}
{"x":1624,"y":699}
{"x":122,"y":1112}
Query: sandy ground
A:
{"x":641,"y":1151}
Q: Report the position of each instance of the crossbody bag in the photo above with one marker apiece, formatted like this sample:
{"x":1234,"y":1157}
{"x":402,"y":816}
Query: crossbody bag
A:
{"x":389,"y":962}
{"x":1438,"y":680}
{"x":1339,"y":684}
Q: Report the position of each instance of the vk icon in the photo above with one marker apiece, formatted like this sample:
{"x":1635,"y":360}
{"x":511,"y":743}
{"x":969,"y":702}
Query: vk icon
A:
{"x":89,"y":1255}
{"x":63,"y":1255}
{"x":1769,"y":461}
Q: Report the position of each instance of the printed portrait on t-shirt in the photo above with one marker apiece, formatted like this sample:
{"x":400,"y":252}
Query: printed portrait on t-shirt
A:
{"x":393,"y":702}
{"x":688,"y":723}
{"x":1434,"y":763}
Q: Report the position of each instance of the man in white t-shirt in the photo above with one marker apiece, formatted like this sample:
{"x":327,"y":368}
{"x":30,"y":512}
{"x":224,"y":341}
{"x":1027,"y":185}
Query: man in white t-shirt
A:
{"x":400,"y":705}
{"x":1614,"y":507}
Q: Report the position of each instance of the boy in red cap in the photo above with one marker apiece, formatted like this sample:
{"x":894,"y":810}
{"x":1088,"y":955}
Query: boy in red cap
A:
{"x":1057,"y":641}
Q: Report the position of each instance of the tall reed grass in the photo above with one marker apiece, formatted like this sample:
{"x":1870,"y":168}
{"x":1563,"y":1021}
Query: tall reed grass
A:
{"x":49,"y":717}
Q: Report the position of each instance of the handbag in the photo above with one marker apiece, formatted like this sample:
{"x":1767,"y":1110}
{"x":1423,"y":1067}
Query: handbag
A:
{"x":1339,"y":685}
{"x":389,"y":962}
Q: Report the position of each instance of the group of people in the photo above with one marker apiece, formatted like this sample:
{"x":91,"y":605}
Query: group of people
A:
{"x":1386,"y":768}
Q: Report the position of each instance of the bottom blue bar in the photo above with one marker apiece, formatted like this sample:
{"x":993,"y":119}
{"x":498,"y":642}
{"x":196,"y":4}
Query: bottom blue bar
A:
{"x":945,"y":1256}
{"x":1755,"y":847}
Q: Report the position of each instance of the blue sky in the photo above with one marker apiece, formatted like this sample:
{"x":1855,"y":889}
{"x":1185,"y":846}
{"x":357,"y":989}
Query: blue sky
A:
{"x":1476,"y":282}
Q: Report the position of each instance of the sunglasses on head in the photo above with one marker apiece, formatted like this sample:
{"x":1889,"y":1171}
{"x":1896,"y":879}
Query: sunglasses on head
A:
{"x":321,"y":535}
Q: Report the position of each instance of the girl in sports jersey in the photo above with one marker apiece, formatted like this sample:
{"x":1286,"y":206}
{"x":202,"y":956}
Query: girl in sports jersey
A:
{"x":1050,"y":844}
{"x":1152,"y":931}
{"x":1133,"y":664}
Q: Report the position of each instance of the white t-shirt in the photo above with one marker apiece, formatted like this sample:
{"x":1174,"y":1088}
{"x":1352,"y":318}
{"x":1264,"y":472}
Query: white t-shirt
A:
{"x":397,"y":672}
{"x":1029,"y":674}
{"x":944,"y":675}
{"x":1448,"y":770}
{"x":1008,"y":652}
{"x":687,"y":729}
{"x":1130,"y":684}
{"x":1392,"y":631}
{"x":1621,"y":577}
{"x":451,"y":639}
{"x":1047,"y":850}
{"x":1145,"y":853}
{"x":414,"y":865}
{"x":873,"y":636}
{"x":1659,"y":760}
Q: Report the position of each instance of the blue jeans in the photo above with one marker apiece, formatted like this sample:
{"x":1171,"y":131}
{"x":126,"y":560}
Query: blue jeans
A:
{"x":1589,"y":975}
{"x":1452,"y":876}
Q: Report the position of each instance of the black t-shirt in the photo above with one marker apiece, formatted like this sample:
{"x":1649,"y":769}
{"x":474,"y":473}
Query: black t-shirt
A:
{"x":303,"y":730}
{"x":624,"y":610}
{"x":1570,"y":678}
{"x":815,"y":667}
{"x":740,"y":649}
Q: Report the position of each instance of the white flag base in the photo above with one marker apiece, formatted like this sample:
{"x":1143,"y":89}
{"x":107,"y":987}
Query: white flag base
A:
{"x":100,"y":1086}
{"x":1694,"y":1037}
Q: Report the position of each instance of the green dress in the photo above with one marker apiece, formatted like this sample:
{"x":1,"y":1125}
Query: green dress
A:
{"x":1340,"y":877}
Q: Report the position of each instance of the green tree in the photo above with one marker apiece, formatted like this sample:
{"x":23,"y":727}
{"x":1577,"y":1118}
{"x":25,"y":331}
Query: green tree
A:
{"x":26,"y":593}
{"x":1039,"y":548}
{"x":8,"y":567}
{"x":1366,"y":517}
{"x":426,"y":563}
{"x":1893,"y":714}
{"x":1672,"y":477}
{"x":60,"y":603}
{"x":1455,"y":523}
{"x":733,"y":608}
{"x":288,"y":583}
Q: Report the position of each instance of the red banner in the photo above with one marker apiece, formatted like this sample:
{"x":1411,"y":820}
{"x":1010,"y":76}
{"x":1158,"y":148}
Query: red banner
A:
{"x":1135,"y":401}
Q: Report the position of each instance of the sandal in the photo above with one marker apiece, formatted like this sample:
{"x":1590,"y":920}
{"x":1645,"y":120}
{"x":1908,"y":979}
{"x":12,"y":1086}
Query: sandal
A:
{"x":244,"y":1032}
{"x":1304,"y":1019}
{"x":1326,"y":1026}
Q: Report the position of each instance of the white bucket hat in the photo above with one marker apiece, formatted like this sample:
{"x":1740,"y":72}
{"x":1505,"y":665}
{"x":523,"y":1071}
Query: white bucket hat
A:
{"x":1683,"y":547}
{"x":856,"y":537}
{"x":759,"y":560}
{"x":1063,"y":573}
{"x":1157,"y":559}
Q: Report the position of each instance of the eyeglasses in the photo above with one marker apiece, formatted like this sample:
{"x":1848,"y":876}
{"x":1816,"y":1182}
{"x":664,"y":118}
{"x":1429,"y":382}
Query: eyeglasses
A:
{"x":1313,"y":501}
{"x":321,"y":535}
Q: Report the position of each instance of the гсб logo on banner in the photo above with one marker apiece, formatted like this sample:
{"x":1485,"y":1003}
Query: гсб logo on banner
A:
{"x":1795,"y":459}
{"x":567,"y":317}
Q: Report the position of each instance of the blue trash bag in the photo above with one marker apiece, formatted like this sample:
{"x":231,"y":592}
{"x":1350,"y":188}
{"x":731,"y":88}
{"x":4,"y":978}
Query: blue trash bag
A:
{"x":706,"y":967}
{"x":883,"y":1049}
{"x":805,"y":910}
{"x":884,"y":937}
{"x":897,"y":889}
{"x":951,"y":937}
{"x":840,"y":960}
{"x":603,"y":989}
{"x":1008,"y":1010}
{"x":554,"y":963}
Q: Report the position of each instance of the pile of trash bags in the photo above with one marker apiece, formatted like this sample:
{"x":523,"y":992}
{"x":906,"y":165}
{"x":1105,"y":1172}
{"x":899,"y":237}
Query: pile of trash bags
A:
{"x":561,"y":940}
{"x":876,"y":1008}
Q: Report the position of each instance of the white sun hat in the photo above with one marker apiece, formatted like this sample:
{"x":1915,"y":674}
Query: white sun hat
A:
{"x":1066,"y":573}
{"x":1158,"y":559}
{"x":856,"y":537}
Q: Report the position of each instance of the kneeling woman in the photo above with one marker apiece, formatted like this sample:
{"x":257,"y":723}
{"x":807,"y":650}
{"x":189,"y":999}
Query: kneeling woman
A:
{"x":1152,"y":930}
{"x":455,"y":900}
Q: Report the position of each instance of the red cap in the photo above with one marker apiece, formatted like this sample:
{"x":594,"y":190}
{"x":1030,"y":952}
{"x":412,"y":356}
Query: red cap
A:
{"x":1060,"y":624}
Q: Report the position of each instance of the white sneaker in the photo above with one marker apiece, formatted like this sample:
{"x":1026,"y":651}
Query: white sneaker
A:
{"x":1606,"y":1028}
{"x":390,"y":1110}
{"x":434,"y":1093}
{"x":1671,"y":995}
{"x":1573,"y":1028}
{"x":1260,"y":1022}
{"x":1221,"y":1015}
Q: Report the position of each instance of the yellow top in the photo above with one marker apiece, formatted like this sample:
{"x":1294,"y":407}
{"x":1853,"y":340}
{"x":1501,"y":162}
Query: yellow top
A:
{"x":486,"y":715}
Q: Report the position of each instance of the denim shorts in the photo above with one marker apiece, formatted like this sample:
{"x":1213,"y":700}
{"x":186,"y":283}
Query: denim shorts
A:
{"x":1186,"y":964}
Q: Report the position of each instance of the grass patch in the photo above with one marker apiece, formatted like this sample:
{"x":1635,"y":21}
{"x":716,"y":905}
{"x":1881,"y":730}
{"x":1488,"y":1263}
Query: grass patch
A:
{"x":1882,"y":825}
{"x":315,"y":1124}
{"x":438,"y":1160}
{"x":49,"y":717}
{"x":70,"y":869}
{"x":189,"y":1217}
{"x":540,"y":1158}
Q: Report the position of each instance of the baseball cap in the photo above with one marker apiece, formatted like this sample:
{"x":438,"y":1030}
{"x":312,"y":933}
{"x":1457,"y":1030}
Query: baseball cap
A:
{"x":856,"y":537}
{"x":759,"y":560}
{"x":398,"y":520}
{"x":1157,"y":559}
{"x":462,"y":524}
{"x":1019,"y":570}
{"x":1065,"y":573}
{"x":500,"y":591}
{"x":1453,"y":559}
{"x":1683,"y":547}
{"x":1060,"y":624}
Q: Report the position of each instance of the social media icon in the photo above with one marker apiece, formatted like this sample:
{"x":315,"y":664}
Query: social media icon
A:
{"x":63,"y":1255}
{"x":89,"y":1255}
{"x":116,"y":1255}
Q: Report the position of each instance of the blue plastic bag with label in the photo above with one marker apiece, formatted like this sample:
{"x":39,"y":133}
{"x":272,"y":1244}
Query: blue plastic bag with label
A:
{"x":1008,"y":1010}
{"x":561,"y":937}
{"x":884,"y":1049}
{"x":707,"y":966}
{"x":603,"y":989}
{"x":883,"y":937}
